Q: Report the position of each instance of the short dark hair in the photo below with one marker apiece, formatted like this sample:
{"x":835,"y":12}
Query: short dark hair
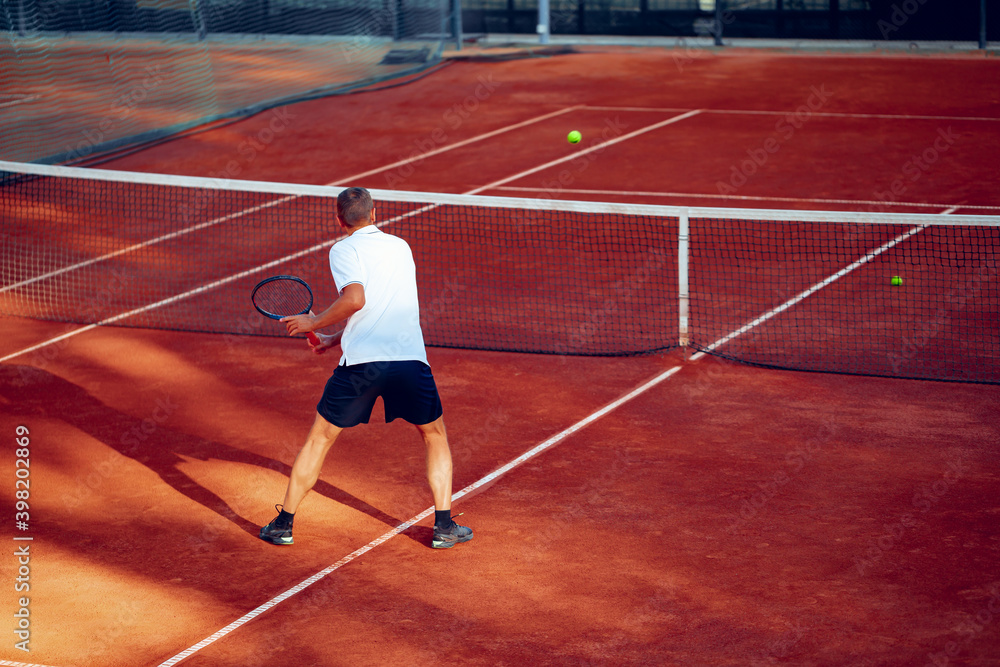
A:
{"x":354,"y":206}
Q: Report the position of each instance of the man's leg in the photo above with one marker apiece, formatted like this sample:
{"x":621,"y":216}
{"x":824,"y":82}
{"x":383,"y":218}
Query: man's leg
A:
{"x":305,"y":472}
{"x":439,"y":468}
{"x":439,"y":472}
{"x":308,"y":463}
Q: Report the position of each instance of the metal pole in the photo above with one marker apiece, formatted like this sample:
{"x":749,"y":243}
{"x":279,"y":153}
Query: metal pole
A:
{"x":198,"y":17}
{"x":717,"y":32}
{"x":543,"y":21}
{"x":456,"y":22}
{"x":982,"y":24}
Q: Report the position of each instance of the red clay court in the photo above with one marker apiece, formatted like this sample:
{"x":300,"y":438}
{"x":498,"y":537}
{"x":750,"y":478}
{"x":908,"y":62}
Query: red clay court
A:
{"x":659,"y":509}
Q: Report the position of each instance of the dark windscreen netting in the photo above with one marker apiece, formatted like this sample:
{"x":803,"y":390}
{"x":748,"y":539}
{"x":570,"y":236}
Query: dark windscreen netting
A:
{"x":84,"y":76}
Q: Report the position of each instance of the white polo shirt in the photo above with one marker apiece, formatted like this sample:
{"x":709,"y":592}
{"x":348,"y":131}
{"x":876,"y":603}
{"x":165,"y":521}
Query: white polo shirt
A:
{"x":388,"y":327}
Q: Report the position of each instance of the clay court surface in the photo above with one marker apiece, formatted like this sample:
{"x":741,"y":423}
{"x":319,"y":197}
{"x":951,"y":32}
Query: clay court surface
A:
{"x":720,"y":515}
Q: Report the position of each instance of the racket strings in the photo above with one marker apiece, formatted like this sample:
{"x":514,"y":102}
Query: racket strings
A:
{"x":283,"y":297}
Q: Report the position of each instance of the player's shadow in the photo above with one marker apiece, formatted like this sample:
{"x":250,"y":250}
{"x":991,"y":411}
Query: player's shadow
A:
{"x":149,"y":442}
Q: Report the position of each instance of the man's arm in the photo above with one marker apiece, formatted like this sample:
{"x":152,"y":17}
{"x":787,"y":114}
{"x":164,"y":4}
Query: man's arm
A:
{"x":350,"y":301}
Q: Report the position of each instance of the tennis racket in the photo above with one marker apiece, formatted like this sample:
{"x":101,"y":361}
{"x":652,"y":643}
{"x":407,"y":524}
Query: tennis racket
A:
{"x":282,"y":296}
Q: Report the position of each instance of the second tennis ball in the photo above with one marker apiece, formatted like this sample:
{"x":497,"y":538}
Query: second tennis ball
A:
{"x":574,"y":137}
{"x":896,"y":280}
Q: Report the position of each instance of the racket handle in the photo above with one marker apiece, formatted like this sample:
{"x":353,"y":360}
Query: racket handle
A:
{"x":315,"y":341}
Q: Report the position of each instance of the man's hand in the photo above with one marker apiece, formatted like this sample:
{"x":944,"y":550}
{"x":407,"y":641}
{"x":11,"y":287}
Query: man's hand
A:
{"x":296,"y":324}
{"x":350,"y":301}
{"x":326,"y":342}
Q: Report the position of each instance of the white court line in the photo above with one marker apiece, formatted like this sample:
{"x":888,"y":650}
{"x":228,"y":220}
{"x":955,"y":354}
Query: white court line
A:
{"x":11,"y":663}
{"x":575,"y":155}
{"x":530,"y":454}
{"x":459,"y":144}
{"x":694,"y":195}
{"x":21,"y":99}
{"x":832,"y":114}
{"x":298,"y":588}
{"x":204,"y":225}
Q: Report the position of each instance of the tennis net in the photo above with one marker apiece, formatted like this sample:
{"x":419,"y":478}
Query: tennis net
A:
{"x":787,"y":289}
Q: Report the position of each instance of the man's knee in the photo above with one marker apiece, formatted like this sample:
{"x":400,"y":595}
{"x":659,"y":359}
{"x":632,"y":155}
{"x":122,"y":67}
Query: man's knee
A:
{"x":436,"y":427}
{"x":323,"y":432}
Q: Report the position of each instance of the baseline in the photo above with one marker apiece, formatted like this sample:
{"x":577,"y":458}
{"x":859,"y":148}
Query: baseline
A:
{"x":832,"y":114}
{"x":794,"y":200}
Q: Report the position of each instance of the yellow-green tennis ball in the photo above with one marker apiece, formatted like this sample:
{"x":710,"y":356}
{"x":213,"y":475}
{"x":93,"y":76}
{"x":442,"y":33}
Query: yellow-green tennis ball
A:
{"x":574,"y":137}
{"x":896,"y":280}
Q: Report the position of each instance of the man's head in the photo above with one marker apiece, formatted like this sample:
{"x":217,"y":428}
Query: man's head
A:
{"x":355,"y":207}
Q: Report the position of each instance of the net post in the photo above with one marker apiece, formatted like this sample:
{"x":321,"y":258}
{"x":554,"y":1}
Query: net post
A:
{"x":683,"y":230}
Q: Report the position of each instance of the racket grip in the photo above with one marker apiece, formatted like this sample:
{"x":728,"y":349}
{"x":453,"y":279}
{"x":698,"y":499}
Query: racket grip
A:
{"x":314,"y":339}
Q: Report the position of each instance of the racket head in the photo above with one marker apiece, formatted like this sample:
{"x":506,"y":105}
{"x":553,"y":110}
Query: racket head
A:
{"x":281,"y":296}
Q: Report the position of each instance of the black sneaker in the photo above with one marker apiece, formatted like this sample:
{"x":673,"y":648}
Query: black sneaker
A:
{"x":446,"y":539}
{"x":275,"y":535}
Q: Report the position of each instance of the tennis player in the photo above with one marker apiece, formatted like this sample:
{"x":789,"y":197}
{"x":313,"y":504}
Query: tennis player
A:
{"x":382,"y":355}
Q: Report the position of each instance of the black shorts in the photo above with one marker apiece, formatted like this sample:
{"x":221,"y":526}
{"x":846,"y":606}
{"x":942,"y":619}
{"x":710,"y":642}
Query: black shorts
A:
{"x":407,"y":389}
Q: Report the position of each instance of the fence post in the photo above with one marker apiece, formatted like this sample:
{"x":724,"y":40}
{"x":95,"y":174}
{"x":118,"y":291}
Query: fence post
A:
{"x":198,"y":17}
{"x":543,"y":21}
{"x":22,"y":24}
{"x":717,"y":33}
{"x":982,"y":24}
{"x":456,"y":23}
